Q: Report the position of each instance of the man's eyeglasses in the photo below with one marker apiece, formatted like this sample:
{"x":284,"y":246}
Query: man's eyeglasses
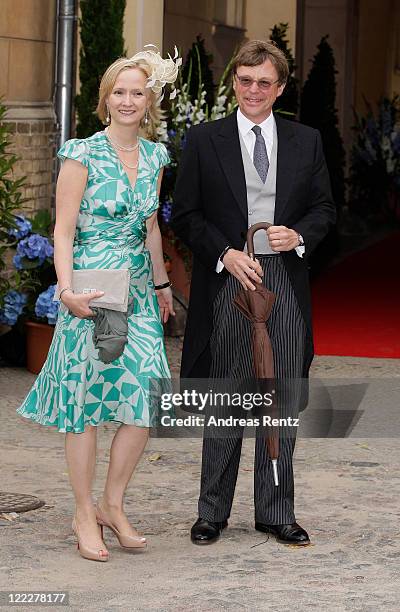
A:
{"x":262,"y":83}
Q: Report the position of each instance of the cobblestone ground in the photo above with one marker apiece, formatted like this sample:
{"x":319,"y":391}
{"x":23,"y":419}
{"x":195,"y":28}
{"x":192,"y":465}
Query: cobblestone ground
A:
{"x":347,"y":497}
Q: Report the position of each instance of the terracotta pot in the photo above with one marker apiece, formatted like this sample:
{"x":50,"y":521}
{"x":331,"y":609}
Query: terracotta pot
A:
{"x":38,"y":340}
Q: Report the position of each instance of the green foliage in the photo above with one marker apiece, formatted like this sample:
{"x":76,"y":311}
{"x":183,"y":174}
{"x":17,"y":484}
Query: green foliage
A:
{"x":374,"y":181}
{"x":102,"y":43}
{"x":10,"y":189}
{"x":197,"y":71}
{"x":41,"y":223}
{"x":10,"y":196}
{"x":31,"y":278}
{"x":288,"y":103}
{"x":318,"y":109}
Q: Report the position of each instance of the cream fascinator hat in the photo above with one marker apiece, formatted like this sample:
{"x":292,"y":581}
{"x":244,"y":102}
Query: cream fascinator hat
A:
{"x":163,"y":71}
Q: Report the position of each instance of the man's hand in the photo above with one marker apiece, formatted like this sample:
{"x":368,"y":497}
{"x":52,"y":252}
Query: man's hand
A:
{"x":243,"y":268}
{"x":281,"y":238}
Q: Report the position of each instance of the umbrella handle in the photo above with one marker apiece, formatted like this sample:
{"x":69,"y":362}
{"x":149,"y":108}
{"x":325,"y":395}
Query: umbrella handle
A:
{"x":250,"y":235}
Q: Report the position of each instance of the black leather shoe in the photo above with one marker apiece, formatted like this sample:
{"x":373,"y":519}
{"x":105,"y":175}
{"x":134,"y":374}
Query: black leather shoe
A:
{"x":286,"y":534}
{"x":206,"y":532}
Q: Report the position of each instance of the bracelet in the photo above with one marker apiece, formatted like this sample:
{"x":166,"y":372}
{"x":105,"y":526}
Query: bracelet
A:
{"x":163,"y":286}
{"x":62,"y":291}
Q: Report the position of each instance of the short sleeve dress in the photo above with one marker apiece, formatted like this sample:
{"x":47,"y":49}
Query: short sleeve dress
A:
{"x":75,"y":388}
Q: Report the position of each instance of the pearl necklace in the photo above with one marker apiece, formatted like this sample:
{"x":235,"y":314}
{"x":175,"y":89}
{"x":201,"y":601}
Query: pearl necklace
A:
{"x":127,"y":165}
{"x":129,"y":148}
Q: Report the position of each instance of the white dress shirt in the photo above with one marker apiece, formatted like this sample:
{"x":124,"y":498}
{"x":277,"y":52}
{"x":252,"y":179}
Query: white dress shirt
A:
{"x":249,"y":138}
{"x":245,"y":127}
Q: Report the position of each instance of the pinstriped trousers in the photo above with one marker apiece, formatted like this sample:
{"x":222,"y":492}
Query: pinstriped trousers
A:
{"x":232,"y":358}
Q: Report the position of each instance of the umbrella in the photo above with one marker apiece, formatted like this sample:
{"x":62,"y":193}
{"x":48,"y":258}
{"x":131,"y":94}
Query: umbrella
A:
{"x":256,"y":306}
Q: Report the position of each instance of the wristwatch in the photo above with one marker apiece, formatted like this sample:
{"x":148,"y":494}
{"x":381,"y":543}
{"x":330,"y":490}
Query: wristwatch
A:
{"x":301,"y":240}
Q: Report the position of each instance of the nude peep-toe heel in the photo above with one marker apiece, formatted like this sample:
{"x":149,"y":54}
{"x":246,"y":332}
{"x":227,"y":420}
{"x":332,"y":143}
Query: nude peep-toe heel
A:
{"x":126,"y":541}
{"x":89,"y":553}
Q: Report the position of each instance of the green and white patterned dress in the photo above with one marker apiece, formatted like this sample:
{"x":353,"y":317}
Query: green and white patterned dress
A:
{"x":75,"y":388}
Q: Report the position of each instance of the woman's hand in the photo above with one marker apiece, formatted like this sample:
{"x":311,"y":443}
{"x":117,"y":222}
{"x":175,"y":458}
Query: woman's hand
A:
{"x":165,"y":302}
{"x":78,"y":303}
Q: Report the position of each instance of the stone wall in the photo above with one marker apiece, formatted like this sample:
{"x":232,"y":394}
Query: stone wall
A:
{"x":221,"y":24}
{"x":34,"y":143}
{"x":27,"y":49}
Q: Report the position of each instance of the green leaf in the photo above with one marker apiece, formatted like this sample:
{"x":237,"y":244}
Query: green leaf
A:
{"x":41,"y":223}
{"x":30,"y":264}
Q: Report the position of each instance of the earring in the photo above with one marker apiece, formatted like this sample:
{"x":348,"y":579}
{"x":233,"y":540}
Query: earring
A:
{"x":146,"y":117}
{"x":108,"y":118}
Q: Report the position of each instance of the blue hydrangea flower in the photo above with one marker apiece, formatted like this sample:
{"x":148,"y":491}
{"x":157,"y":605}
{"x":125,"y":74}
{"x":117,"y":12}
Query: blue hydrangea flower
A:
{"x":24,"y":227}
{"x":14,"y":303}
{"x":17,"y":262}
{"x":45,"y":307}
{"x":166,"y":210}
{"x":34,"y":246}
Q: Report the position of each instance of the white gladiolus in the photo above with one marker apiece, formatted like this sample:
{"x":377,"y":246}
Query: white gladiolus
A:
{"x":162,"y":132}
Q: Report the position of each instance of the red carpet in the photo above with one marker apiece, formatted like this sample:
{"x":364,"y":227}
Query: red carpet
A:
{"x":356,"y":304}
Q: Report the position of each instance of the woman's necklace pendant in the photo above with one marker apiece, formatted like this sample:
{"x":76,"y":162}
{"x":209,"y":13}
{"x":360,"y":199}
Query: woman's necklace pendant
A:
{"x":128,"y":166}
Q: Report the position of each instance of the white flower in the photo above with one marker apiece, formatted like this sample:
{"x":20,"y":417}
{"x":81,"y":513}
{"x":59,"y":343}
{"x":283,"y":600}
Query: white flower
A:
{"x":162,"y":132}
{"x":199,"y":117}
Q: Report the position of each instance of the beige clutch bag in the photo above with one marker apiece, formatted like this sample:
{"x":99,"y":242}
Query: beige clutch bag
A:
{"x":114,"y":283}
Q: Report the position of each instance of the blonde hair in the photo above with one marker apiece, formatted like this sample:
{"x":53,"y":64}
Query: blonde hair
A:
{"x":155,"y":114}
{"x":256,"y":52}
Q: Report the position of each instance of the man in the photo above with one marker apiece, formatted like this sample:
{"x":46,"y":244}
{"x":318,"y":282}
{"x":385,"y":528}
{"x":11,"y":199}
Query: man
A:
{"x":248,"y":167}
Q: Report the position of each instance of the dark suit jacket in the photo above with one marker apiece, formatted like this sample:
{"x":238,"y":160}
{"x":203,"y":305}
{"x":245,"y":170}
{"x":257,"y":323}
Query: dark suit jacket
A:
{"x":210,"y":212}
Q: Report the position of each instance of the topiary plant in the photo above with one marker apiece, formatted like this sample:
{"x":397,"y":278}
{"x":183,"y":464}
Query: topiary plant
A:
{"x":102,"y":41}
{"x":288,"y":103}
{"x":197,"y":64}
{"x":318,"y":109}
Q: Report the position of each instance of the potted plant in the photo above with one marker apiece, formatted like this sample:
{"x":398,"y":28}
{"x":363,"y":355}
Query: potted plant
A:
{"x":39,"y":331}
{"x":26,"y":298}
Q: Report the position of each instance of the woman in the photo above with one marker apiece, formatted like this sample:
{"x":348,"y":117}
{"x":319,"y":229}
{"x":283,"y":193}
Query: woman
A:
{"x":107,"y":200}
